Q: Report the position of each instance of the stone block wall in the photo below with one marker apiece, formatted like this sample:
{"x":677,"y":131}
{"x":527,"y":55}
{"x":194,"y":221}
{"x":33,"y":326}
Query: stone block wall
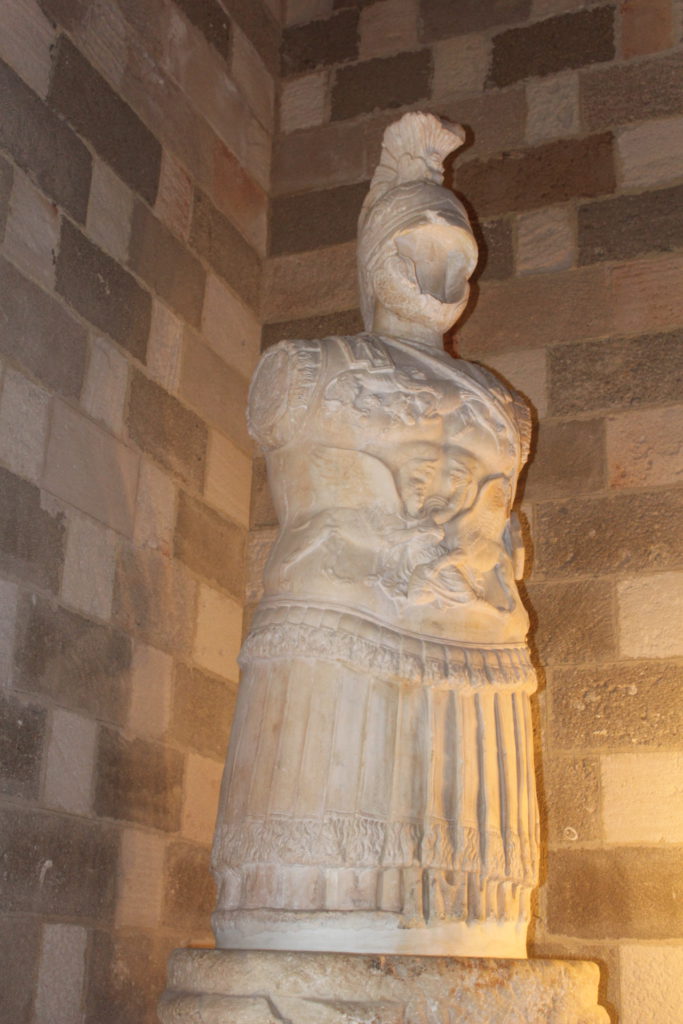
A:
{"x":574,"y":169}
{"x":135,"y":146}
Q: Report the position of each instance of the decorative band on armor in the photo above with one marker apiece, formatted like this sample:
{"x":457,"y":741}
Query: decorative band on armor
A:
{"x":290,"y":631}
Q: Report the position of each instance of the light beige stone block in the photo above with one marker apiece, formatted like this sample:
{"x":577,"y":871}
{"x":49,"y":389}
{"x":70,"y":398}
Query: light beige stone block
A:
{"x":174,"y":196}
{"x":526,"y":371}
{"x":32,"y":231}
{"x":389,"y":26}
{"x":104,"y":390}
{"x":25,"y":40}
{"x":105,"y":39}
{"x":155,"y":509}
{"x":230,"y":327}
{"x":200,"y":801}
{"x":298,"y":12}
{"x":303,"y":102}
{"x":642,"y":797}
{"x":545,"y":240}
{"x":110,"y":209}
{"x":651,"y":153}
{"x":89,"y":564}
{"x":88,"y":468}
{"x":552,"y":107}
{"x":651,"y":616}
{"x":461,"y":64}
{"x":60,"y":974}
{"x":8,"y":616}
{"x":165,"y":347}
{"x":650,"y":983}
{"x":647,"y":294}
{"x":24,"y":409}
{"x":645,"y":447}
{"x":228,"y":478}
{"x":252,"y":78}
{"x":218,"y":634}
{"x":141,"y":879}
{"x":151,"y":686}
{"x":70,"y":762}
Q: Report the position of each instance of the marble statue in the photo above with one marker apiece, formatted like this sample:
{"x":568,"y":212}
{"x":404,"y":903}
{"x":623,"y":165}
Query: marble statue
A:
{"x":379,"y":789}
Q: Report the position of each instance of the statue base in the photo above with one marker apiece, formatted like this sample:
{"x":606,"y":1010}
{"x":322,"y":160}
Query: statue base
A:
{"x":252,"y":987}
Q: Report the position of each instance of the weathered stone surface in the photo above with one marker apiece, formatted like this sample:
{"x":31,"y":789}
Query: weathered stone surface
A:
{"x":102,"y":291}
{"x":202,"y":711}
{"x":74,"y":859}
{"x":569,"y":459}
{"x":302,"y":102}
{"x":79,"y":664}
{"x":210,"y":18}
{"x":44,"y":146}
{"x":347,"y":321}
{"x":525,"y":370}
{"x":301,"y":284}
{"x":570,"y":794}
{"x":24,"y":414}
{"x":566,"y":41}
{"x":623,"y":533}
{"x":70,"y":764}
{"x":650,"y":615}
{"x":138,"y":781}
{"x":647,"y":294}
{"x":260,"y":27}
{"x":640,"y":797}
{"x":622,"y":892}
{"x":110,"y":209}
{"x":461,"y":64}
{"x":647,"y":26}
{"x":201,"y":790}
{"x":621,"y":705}
{"x":230,"y":327}
{"x":650,"y":982}
{"x":31,"y":537}
{"x":630,"y":225}
{"x":332,"y":41}
{"x":228,"y":479}
{"x":165,"y":622}
{"x":262,"y":510}
{"x":60,"y":980}
{"x":330,"y":988}
{"x":125,"y":979}
{"x":106,"y":384}
{"x":210,"y":544}
{"x":645,"y":447}
{"x":140,"y":878}
{"x":215,"y":238}
{"x":545,"y":240}
{"x":40,"y":334}
{"x":553,"y":107}
{"x":441,"y":18}
{"x":496,"y":256}
{"x":20,"y":940}
{"x":6,"y":179}
{"x":218,"y":636}
{"x":547,"y":174}
{"x":217,"y":392}
{"x":166,"y":430}
{"x":190,"y":890}
{"x":650,"y":153}
{"x":311,"y":220}
{"x":32,"y":232}
{"x":22,"y":732}
{"x":616,"y":373}
{"x":572,"y":622}
{"x":85,"y":99}
{"x":166,"y":265}
{"x":631,"y":92}
{"x":382,"y":83}
{"x":388,"y":27}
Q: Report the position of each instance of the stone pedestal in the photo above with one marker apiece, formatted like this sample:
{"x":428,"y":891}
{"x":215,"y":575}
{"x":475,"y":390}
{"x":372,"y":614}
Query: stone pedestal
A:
{"x":252,"y":987}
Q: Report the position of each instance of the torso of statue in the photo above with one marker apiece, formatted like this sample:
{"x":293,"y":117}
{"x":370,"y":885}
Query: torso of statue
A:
{"x":392,"y":469}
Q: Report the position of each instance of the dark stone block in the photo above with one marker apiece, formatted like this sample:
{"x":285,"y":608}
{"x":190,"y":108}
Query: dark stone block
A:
{"x":40,"y":334}
{"x":311,"y":220}
{"x":631,"y":225}
{"x":166,"y":266}
{"x":55,"y":864}
{"x":83,"y":97}
{"x":233,"y":259}
{"x":20,"y":955}
{"x":566,"y":41}
{"x":527,"y":179}
{"x":202,"y":711}
{"x":319,"y":43}
{"x":6,"y":180}
{"x":154,"y":599}
{"x":620,"y":533}
{"x":43,"y":145}
{"x":616,"y":373}
{"x":259,"y":26}
{"x":631,"y":92}
{"x":496,"y":250}
{"x":103,"y":292}
{"x":620,"y":893}
{"x":262,"y":511}
{"x":210,"y":544}
{"x":138,"y":781}
{"x":348,"y":321}
{"x":572,"y":622}
{"x":190,"y":894}
{"x":31,"y":539}
{"x":569,"y":458}
{"x":22,"y":731}
{"x":125,"y":975}
{"x":79,"y":664}
{"x":623,"y":705}
{"x":570,"y":791}
{"x":381,"y":84}
{"x":442,"y":18}
{"x":166,"y":430}
{"x":212,"y":21}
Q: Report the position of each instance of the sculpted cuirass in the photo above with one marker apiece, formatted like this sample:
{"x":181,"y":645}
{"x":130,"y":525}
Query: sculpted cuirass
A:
{"x":379,"y":792}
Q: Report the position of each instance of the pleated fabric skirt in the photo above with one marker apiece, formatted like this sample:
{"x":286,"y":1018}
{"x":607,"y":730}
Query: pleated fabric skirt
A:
{"x":374,"y":772}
